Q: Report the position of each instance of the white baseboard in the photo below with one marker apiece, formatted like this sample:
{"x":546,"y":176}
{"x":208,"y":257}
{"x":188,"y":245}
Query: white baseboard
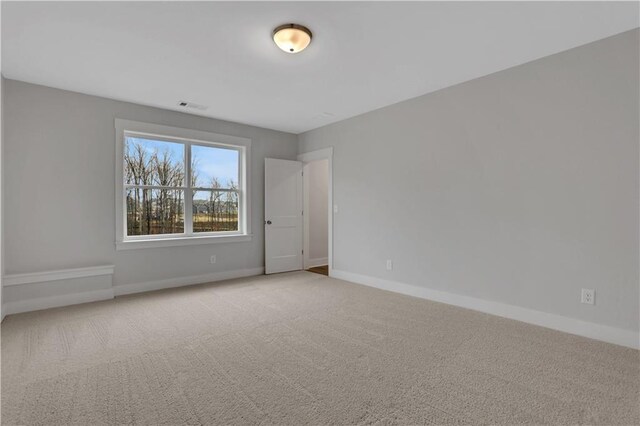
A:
{"x":618,"y":336}
{"x":320,"y":261}
{"x":121,"y":290}
{"x":29,"y":305}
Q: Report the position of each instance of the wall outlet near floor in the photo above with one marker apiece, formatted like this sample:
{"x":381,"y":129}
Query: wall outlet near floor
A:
{"x":213,"y":259}
{"x":588,"y":296}
{"x":335,"y":208}
{"x":389,"y":264}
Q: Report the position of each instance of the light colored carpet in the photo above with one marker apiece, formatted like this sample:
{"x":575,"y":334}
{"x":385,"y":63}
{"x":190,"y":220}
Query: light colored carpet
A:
{"x":301,"y":348}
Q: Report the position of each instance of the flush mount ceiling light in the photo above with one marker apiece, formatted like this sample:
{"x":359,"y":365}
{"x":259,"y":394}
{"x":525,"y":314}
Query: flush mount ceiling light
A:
{"x":292,"y":38}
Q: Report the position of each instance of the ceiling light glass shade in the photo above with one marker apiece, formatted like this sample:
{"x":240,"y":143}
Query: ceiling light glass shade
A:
{"x":292,"y":38}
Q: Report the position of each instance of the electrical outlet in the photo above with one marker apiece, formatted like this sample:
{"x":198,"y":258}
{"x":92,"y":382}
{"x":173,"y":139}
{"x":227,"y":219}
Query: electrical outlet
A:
{"x":335,"y":208}
{"x":389,"y":264}
{"x":213,"y":259}
{"x":588,"y":296}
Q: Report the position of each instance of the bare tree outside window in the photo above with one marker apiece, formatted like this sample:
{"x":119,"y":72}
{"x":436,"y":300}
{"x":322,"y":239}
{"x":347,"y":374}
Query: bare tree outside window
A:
{"x":215,"y":205}
{"x":155,"y":187}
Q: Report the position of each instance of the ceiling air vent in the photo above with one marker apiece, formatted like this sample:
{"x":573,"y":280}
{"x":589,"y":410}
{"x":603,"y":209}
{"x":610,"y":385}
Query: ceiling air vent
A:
{"x":191,"y":105}
{"x":322,"y":116}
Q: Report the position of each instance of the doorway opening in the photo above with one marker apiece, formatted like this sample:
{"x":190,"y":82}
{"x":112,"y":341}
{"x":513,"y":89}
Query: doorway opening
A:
{"x":317,"y":208}
{"x":315,"y":180}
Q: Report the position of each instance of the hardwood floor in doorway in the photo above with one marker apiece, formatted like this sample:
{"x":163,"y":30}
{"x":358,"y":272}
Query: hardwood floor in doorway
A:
{"x":322,"y":270}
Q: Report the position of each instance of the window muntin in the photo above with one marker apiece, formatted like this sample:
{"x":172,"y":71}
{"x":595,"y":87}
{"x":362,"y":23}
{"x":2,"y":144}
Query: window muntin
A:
{"x":157,"y":195}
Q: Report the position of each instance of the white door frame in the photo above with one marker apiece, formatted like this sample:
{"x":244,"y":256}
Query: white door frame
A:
{"x":308,"y":157}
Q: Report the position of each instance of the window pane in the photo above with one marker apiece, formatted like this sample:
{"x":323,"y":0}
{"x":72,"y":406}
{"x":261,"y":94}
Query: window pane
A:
{"x":214,"y":167}
{"x":150,"y":162}
{"x":215,"y":211}
{"x":155,"y":211}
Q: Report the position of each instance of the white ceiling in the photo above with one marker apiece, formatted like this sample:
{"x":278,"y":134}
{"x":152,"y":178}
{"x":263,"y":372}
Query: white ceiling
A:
{"x":363,"y":55}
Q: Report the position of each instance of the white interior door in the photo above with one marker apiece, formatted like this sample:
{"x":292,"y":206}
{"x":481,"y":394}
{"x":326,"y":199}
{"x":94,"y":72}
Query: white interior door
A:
{"x":283,"y":215}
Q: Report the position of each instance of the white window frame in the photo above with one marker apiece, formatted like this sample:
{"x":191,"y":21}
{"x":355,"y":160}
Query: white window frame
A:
{"x":187,"y":137}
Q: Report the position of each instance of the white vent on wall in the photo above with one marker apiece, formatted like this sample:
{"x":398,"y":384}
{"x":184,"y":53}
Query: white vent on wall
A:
{"x":191,"y":105}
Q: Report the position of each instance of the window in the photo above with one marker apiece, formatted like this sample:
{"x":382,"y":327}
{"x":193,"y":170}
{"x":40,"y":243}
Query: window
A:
{"x":178,"y":186}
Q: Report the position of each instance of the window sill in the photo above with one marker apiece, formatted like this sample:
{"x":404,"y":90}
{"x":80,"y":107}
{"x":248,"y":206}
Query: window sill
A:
{"x":182,"y":241}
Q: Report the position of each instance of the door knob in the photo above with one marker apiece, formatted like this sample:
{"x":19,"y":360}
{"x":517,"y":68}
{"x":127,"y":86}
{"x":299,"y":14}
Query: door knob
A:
{"x":268,"y":222}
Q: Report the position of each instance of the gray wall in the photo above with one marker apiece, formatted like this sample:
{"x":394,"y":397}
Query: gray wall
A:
{"x":520,"y":187}
{"x":59,"y":152}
